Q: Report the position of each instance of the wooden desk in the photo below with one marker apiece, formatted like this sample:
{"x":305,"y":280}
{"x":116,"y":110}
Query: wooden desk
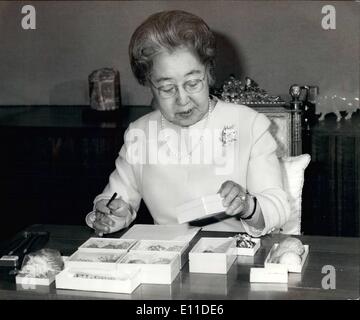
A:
{"x":342,"y":253}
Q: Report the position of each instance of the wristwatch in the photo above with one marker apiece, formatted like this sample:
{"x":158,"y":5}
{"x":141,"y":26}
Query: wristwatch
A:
{"x":254,"y":209}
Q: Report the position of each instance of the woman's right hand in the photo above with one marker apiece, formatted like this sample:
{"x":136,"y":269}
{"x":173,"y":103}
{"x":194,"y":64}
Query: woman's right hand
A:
{"x":112,"y":218}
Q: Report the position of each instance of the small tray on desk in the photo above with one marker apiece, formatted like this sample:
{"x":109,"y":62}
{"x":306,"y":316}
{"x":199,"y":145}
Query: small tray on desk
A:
{"x":242,"y":241}
{"x":156,"y":267}
{"x":95,"y":259}
{"x":34,"y":281}
{"x":118,"y":281}
{"x":212,"y":255}
{"x":179,"y":247}
{"x":297,"y":268}
{"x":107,"y":244}
{"x":249,"y":251}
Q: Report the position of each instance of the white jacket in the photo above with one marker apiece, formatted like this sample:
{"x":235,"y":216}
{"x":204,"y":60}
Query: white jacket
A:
{"x":249,"y":160}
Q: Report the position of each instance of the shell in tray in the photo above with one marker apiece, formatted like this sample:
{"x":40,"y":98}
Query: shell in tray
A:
{"x":296,"y":266}
{"x":246,"y":245}
{"x":153,"y":245}
{"x":97,"y":259}
{"x":108,"y":244}
{"x":134,"y":257}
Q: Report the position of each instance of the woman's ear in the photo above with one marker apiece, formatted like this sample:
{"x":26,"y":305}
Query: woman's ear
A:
{"x":210,"y":72}
{"x":146,"y":83}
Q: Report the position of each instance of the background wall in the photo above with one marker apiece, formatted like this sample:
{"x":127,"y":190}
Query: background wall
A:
{"x":277,"y":43}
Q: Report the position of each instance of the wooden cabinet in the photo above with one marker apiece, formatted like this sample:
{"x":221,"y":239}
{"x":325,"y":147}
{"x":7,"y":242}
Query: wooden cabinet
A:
{"x":56,"y":161}
{"x":331,"y":191}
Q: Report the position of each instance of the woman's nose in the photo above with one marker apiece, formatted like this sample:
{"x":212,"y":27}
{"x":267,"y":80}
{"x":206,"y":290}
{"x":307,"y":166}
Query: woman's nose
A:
{"x":182,"y":97}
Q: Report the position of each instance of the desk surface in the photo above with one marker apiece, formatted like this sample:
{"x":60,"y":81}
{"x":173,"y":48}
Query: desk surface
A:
{"x":341,"y":253}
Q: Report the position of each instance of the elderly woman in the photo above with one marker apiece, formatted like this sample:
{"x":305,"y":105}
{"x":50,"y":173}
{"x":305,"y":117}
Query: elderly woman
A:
{"x":192,"y":145}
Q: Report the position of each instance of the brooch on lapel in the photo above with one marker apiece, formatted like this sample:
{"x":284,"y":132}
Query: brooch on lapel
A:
{"x":228,"y":135}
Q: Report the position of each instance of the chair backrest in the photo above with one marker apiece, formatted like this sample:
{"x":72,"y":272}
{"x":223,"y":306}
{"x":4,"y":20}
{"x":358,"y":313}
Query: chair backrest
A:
{"x":293,"y":169}
{"x":285,"y":128}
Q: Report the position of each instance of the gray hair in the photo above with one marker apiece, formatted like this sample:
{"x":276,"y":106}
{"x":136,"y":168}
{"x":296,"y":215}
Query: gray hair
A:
{"x":168,"y":31}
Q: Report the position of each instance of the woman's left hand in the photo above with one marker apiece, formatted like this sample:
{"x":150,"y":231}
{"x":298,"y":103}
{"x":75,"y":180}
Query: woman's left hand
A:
{"x":235,"y":197}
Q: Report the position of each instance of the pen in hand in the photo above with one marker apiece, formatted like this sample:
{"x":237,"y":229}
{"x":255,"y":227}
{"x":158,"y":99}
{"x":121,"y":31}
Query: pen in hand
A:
{"x":100,"y":234}
{"x":111,"y":199}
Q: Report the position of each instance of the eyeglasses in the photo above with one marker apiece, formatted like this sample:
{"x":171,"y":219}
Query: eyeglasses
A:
{"x":170,"y":90}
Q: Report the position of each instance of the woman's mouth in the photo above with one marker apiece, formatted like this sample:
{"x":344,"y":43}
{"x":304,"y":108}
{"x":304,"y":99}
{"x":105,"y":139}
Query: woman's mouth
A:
{"x":185,"y":114}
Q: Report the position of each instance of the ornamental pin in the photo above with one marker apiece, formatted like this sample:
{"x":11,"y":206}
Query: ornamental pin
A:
{"x":228,"y":135}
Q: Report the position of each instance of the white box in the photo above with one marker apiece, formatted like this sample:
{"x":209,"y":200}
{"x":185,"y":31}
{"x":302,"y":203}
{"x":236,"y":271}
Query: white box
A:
{"x":249,"y":251}
{"x":110,"y":244}
{"x":290,"y":267}
{"x":26,"y":282}
{"x":100,"y":259}
{"x":118,"y":281}
{"x":265,"y":275}
{"x":268,"y":286}
{"x":32,"y":281}
{"x":156,"y":267}
{"x":179,"y":247}
{"x":203,"y":207}
{"x":220,"y":258}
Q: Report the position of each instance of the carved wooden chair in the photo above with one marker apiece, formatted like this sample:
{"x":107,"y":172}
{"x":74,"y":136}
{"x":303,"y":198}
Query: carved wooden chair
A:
{"x":287,"y":130}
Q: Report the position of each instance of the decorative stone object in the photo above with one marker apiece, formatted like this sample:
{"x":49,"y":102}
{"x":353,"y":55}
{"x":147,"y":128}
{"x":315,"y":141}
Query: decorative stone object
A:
{"x":104,"y":89}
{"x":334,"y":101}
